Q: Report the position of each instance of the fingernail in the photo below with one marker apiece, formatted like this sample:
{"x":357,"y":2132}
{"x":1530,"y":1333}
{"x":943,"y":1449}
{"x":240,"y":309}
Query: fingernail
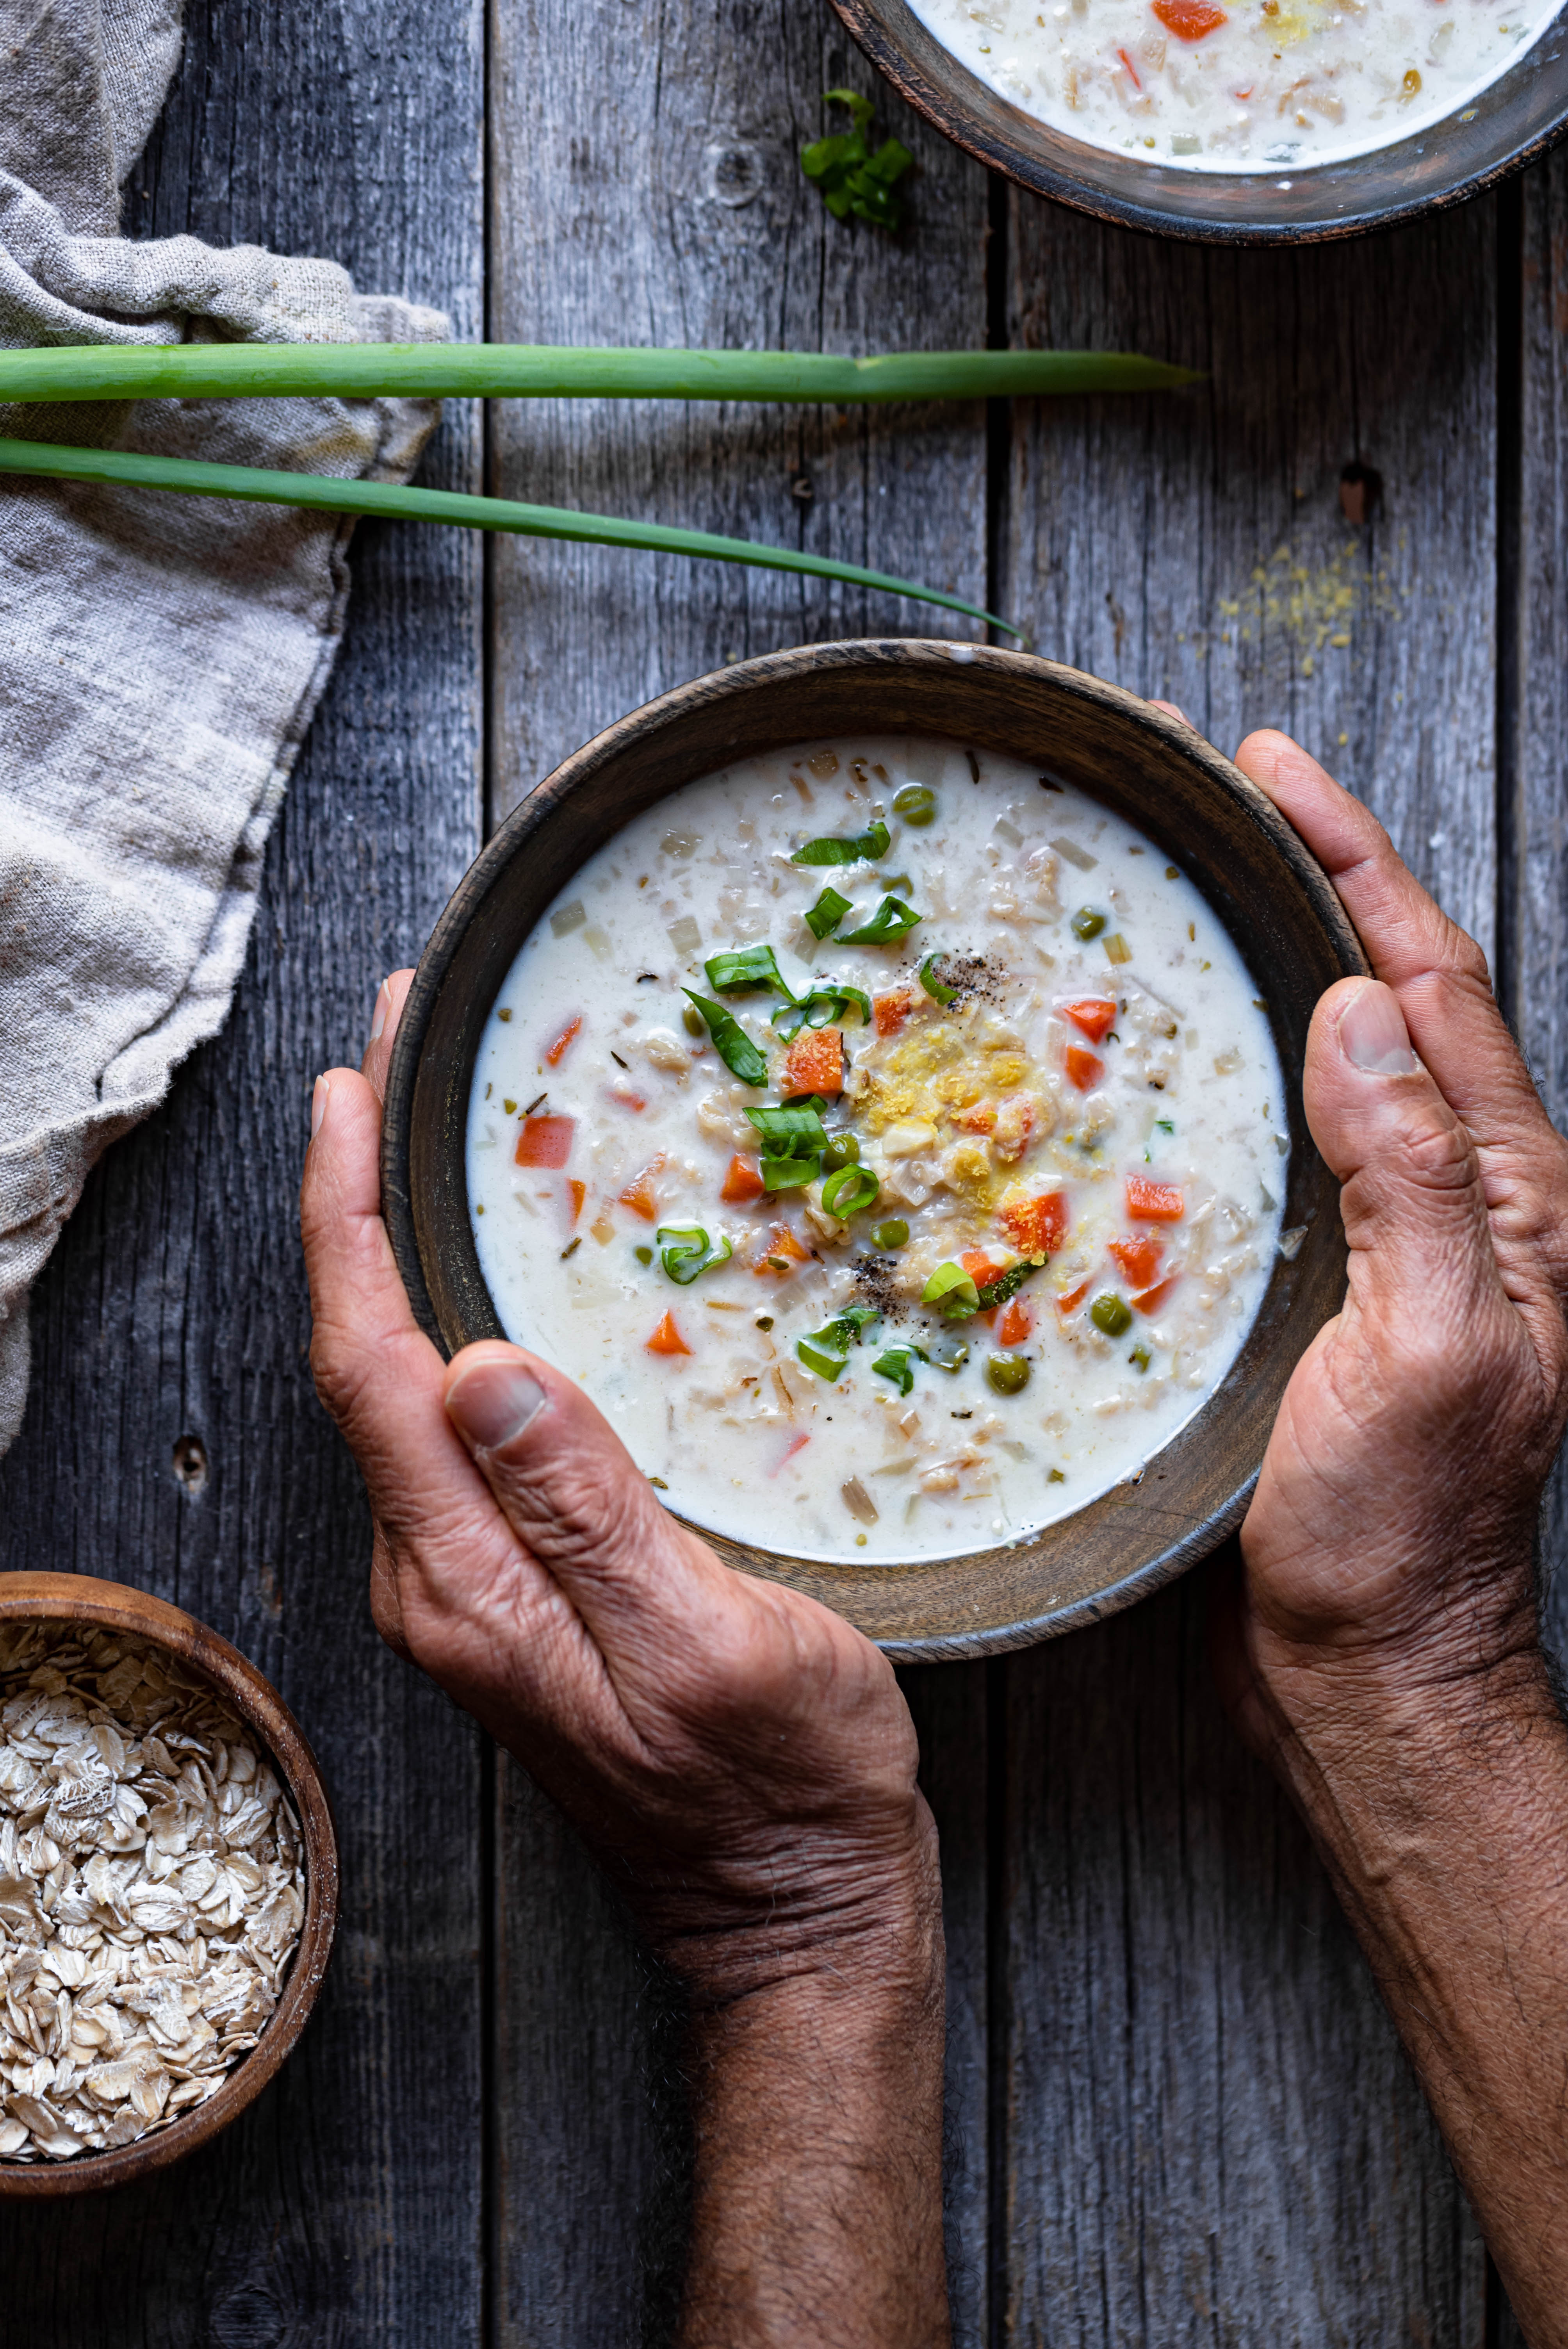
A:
{"x":382,"y":1006}
{"x":493,"y":1402}
{"x":1373,"y":1034}
{"x":318,"y":1104}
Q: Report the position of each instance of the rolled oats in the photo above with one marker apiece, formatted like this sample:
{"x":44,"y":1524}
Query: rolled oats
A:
{"x":151,"y":1889}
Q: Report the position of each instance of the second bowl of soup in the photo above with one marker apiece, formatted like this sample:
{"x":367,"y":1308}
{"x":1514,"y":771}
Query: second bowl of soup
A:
{"x":873,"y":1074}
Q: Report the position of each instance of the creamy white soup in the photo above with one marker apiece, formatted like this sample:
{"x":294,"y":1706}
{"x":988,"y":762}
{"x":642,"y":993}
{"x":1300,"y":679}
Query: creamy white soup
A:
{"x":1211,"y":86}
{"x":889,"y":1139}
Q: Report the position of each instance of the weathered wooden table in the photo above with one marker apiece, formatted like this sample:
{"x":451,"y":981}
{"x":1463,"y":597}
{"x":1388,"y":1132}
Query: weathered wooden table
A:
{"x":1178,"y":2112}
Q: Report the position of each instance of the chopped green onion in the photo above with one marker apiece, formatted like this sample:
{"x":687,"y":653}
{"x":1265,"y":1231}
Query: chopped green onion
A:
{"x":1117,"y":949}
{"x":892,"y":921}
{"x":1008,"y":1373}
{"x":689,"y":1251}
{"x":827,"y":1366}
{"x":1111,"y":1314}
{"x":791,"y":1125}
{"x":850,"y":1192}
{"x":841,"y":1333}
{"x":916,"y":803}
{"x":1086,"y":924}
{"x":790,"y":1174}
{"x":861,"y":848}
{"x":734,"y":1046}
{"x":644,"y":1255}
{"x":1140,"y":1356}
{"x":827,"y":1000}
{"x":827,"y":913}
{"x":933,"y":987}
{"x":1007,"y":1284}
{"x":891,"y":1234}
{"x":732,"y":974}
{"x":954,"y":1289}
{"x":851,"y":178}
{"x":1164,"y":1125}
{"x":897,"y":1363}
{"x":953,"y":1361}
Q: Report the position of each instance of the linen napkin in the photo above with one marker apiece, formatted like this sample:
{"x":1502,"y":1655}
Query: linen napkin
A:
{"x":159,"y":656}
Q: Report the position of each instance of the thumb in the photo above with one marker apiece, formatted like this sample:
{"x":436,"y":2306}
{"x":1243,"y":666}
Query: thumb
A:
{"x":1412,"y":1200}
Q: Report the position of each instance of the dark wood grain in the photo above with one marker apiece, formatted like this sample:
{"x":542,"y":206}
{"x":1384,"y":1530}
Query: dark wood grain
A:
{"x":1206,"y":2102}
{"x":345,"y":2208}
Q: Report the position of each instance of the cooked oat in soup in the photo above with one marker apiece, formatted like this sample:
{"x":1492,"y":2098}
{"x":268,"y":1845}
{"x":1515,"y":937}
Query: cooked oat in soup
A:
{"x":889,"y":1139}
{"x":1249,"y":86}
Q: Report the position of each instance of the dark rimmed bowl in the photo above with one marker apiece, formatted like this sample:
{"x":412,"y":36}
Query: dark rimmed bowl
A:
{"x":1514,"y":121}
{"x":116,"y":1607}
{"x":1275,"y":898}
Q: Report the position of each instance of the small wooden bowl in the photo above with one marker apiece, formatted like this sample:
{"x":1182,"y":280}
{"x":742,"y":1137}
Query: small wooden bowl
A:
{"x":1226,"y":836}
{"x":81,"y":1598}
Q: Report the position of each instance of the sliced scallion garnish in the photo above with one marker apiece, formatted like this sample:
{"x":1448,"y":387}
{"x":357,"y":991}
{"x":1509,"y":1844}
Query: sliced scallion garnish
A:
{"x":689,"y":1251}
{"x":824,"y":1351}
{"x":827,"y":913}
{"x":892,"y":921}
{"x":747,"y":967}
{"x":827,"y":1000}
{"x":933,"y":987}
{"x":897,"y":1363}
{"x":733,"y":1045}
{"x":955,"y":1290}
{"x":790,"y":1174}
{"x":1007,"y":1284}
{"x":860,"y":848}
{"x":816,"y":1358}
{"x":792,"y":1126}
{"x":850,"y":1192}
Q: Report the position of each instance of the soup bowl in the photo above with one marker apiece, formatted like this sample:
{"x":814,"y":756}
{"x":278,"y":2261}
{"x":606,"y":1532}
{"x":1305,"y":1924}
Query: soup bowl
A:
{"x":60,"y":1599}
{"x":1273,"y":898}
{"x":1506,"y":126}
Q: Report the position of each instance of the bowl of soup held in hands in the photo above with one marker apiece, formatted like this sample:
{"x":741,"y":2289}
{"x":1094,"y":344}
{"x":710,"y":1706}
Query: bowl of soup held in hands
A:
{"x":873,"y":1074}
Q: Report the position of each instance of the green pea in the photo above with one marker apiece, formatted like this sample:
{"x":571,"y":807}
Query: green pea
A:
{"x":695,"y":1023}
{"x":1111,"y":1314}
{"x":891,"y":1234}
{"x":644,"y":1255}
{"x":1086,"y":924}
{"x":1008,"y":1373}
{"x":915,"y":805}
{"x":843,"y":1150}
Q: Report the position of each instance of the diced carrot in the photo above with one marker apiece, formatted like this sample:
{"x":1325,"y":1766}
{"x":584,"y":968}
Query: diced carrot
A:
{"x":1091,"y":1017}
{"x":1017,"y":1323}
{"x":626,"y":1094}
{"x":1036,"y":1227}
{"x":891,"y":1011}
{"x":667,"y":1338}
{"x":555,"y":1053}
{"x":545,"y":1141}
{"x":638,"y":1193}
{"x":1083,"y":1069}
{"x":742,"y":1183}
{"x":1190,"y":20}
{"x":1153,"y":1298}
{"x":815,"y":1063}
{"x":579,"y":1193}
{"x":980,"y":1265}
{"x":782,"y":1253}
{"x":797,"y":1444}
{"x":1153,"y":1202}
{"x":980,"y":1118}
{"x":1074,"y":1298}
{"x":1140,"y":1259}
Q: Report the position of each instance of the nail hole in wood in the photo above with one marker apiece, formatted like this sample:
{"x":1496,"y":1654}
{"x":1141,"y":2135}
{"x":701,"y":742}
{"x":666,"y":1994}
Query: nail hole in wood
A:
{"x":191,"y":1463}
{"x":1360,"y":490}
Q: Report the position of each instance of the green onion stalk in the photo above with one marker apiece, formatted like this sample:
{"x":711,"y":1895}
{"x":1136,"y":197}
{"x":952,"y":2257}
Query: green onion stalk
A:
{"x":105,"y":371}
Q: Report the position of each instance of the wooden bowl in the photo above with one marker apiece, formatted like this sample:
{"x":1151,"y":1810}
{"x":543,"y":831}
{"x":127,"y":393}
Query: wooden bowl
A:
{"x":1497,"y":131}
{"x":81,"y":1598}
{"x":1226,"y":836}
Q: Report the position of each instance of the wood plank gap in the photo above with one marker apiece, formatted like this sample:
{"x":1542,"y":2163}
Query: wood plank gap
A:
{"x":999,"y":2011}
{"x":998,"y":412}
{"x":490,"y":2046}
{"x":1509,"y":780}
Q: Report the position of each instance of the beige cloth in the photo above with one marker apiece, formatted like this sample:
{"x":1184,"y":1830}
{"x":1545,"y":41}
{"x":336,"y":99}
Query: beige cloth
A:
{"x":159,"y":656}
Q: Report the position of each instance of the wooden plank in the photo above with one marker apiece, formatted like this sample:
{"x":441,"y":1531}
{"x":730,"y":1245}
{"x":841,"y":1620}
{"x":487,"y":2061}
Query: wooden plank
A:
{"x":661,"y":148}
{"x":1535,"y":690}
{"x":646,"y":191}
{"x":346,"y":2208}
{"x":1212,"y":2133}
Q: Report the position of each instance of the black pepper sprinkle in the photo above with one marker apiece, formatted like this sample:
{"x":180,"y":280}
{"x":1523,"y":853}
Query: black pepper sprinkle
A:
{"x":617,"y":1058}
{"x":644,"y":977}
{"x":537,"y":1103}
{"x":960,"y":1414}
{"x":572,"y":1247}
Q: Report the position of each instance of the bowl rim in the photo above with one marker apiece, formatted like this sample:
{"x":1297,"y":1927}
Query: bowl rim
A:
{"x":467,"y":906}
{"x":119,"y":1606}
{"x":890,"y":35}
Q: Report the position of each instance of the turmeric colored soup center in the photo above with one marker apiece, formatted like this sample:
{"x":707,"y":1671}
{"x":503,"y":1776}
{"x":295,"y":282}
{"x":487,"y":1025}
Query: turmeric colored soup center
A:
{"x":901,"y":1230}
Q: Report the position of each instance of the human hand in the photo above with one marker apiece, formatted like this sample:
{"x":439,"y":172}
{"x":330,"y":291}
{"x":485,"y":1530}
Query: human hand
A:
{"x":1390,"y":1539}
{"x":739,"y":1758}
